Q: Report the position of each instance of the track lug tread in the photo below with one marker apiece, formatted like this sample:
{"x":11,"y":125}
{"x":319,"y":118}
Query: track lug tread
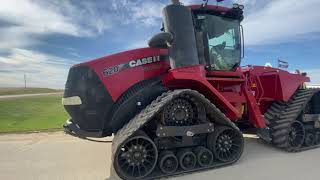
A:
{"x":280,"y":141}
{"x":281,"y":125}
{"x":285,"y":115}
{"x":281,"y":132}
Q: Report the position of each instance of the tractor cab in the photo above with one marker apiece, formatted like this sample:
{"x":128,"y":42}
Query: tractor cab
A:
{"x":202,"y":34}
{"x":218,"y":35}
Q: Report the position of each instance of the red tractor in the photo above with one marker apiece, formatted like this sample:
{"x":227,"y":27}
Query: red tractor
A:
{"x":182,"y":104}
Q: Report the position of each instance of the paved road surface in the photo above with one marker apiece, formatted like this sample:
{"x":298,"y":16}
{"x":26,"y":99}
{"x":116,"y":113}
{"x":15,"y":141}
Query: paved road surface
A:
{"x":29,"y":95}
{"x":57,"y":156}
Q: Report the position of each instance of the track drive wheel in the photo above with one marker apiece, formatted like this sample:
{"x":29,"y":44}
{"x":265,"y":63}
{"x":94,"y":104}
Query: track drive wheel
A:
{"x":204,"y":156}
{"x":136,"y":158}
{"x":180,"y":112}
{"x":168,"y":162}
{"x":187,"y":159}
{"x":296,"y":135}
{"x":226,"y":144}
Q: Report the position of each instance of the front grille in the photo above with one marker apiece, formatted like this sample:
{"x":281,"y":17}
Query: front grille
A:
{"x":96,"y":102}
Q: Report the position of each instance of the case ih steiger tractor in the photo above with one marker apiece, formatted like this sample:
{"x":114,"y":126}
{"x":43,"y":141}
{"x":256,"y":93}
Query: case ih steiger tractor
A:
{"x":182,"y":104}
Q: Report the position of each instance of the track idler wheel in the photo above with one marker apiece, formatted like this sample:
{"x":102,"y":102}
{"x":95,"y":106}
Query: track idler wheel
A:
{"x":310,"y":139}
{"x":226,"y":143}
{"x":187,"y":159}
{"x":296,"y":135}
{"x":168,"y":162}
{"x":204,"y":156}
{"x":136,"y":158}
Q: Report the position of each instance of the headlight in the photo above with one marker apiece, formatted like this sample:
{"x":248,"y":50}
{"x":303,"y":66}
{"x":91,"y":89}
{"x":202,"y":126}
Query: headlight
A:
{"x":71,"y":101}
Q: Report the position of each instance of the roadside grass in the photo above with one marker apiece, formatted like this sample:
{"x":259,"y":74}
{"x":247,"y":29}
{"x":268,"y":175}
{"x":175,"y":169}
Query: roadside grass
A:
{"x":16,"y":91}
{"x":31,"y":114}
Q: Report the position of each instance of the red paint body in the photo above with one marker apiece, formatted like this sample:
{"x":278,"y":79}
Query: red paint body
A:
{"x":244,"y":94}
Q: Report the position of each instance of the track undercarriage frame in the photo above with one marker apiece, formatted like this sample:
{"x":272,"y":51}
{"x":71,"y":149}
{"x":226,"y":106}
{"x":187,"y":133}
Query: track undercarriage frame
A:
{"x":194,"y":140}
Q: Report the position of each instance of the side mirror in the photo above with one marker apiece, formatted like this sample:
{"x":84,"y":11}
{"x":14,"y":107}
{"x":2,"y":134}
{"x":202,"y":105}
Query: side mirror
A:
{"x":161,"y":40}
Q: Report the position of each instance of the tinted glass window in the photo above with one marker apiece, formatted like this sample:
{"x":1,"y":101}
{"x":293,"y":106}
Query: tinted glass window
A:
{"x":223,"y":36}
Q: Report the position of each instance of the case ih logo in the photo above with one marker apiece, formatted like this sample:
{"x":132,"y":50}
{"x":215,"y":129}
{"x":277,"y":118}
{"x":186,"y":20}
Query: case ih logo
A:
{"x":143,"y":61}
{"x":134,"y":63}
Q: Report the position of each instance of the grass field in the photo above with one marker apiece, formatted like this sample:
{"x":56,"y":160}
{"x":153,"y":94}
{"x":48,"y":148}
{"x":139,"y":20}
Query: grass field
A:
{"x":16,"y":91}
{"x":31,"y":113}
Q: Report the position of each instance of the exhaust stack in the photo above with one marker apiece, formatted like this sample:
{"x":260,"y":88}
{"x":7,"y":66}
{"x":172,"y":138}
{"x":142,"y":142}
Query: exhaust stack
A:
{"x":178,"y":22}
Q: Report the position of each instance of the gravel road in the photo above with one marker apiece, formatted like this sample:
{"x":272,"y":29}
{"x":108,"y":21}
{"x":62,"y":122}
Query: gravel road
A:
{"x":58,"y":156}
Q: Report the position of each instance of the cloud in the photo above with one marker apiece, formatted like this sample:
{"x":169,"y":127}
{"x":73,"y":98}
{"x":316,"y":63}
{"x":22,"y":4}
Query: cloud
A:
{"x":314,"y":75}
{"x":42,"y":70}
{"x":282,"y":21}
{"x":22,"y":22}
{"x":91,"y":17}
{"x":148,"y":12}
{"x":139,"y":12}
{"x":138,"y":44}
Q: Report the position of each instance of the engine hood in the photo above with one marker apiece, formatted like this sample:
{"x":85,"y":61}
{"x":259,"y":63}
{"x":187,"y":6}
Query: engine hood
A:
{"x":125,"y":57}
{"x":120,"y":71}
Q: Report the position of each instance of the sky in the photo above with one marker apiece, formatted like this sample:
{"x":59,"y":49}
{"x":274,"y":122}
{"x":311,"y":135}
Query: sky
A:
{"x":43,"y":39}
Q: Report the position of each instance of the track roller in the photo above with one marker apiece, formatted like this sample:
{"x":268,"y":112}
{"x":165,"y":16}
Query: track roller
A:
{"x":168,"y":162}
{"x":310,"y":139}
{"x":204,"y":156}
{"x":136,"y":158}
{"x":226,"y":144}
{"x":187,"y":159}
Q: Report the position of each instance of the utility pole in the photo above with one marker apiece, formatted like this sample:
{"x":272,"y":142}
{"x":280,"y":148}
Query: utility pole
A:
{"x":25,"y":81}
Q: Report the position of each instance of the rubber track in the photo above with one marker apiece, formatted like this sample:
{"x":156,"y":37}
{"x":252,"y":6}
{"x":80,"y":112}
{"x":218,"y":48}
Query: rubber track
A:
{"x":155,"y":107}
{"x":281,"y":114}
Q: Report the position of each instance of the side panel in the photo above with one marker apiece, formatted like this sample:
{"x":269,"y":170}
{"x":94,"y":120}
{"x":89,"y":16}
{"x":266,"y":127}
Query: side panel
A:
{"x":289,"y":83}
{"x":119,"y":72}
{"x":194,"y":77}
{"x":270,"y":84}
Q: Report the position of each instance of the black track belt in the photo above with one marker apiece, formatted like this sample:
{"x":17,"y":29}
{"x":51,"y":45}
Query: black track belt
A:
{"x":150,"y":111}
{"x":281,"y":115}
